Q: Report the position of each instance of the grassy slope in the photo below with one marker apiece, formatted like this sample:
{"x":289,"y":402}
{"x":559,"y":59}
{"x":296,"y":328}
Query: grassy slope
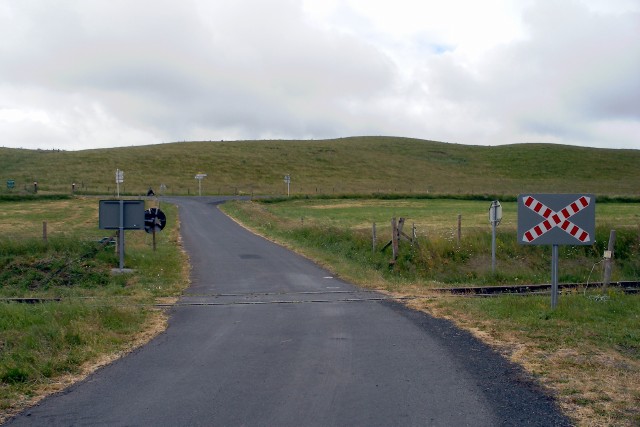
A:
{"x":349,"y":165}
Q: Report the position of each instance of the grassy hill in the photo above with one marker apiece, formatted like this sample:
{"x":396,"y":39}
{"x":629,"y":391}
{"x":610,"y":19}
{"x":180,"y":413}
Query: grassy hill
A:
{"x":338,"y":166}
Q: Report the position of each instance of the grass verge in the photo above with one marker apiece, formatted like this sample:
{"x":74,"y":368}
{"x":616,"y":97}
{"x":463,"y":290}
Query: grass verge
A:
{"x":97,"y":316}
{"x":586,"y":352}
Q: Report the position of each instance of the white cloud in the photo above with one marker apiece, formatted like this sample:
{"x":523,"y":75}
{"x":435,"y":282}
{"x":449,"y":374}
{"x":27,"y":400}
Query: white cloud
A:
{"x":104,"y":73}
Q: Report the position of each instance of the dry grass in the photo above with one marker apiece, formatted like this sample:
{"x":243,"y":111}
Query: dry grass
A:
{"x":155,"y":325}
{"x":594,"y":387}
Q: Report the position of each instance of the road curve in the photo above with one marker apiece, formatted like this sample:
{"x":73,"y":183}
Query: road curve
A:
{"x":264,"y":337}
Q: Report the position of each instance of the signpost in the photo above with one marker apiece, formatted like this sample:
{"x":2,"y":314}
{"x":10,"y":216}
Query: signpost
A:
{"x":495,"y":216}
{"x":154,"y":221}
{"x":200,"y":176}
{"x":556,"y":219}
{"x":119,"y":180}
{"x":121,"y":215}
{"x":287,"y":180}
{"x":11,"y":184}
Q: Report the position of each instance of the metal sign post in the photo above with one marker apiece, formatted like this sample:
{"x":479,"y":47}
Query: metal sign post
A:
{"x":495,"y":216}
{"x":154,"y":221}
{"x":554,"y":276}
{"x":121,"y":215}
{"x":287,"y":180}
{"x":200,"y":176}
{"x":121,"y":234}
{"x":556,"y":219}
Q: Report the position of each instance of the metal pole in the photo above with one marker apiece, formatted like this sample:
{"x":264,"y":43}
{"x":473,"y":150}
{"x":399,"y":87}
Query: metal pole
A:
{"x":493,"y":243}
{"x":200,"y":187}
{"x":554,"y":276}
{"x":121,"y":237}
{"x":608,"y":260}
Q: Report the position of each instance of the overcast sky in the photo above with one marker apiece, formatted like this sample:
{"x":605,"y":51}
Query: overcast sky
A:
{"x":78,"y":74}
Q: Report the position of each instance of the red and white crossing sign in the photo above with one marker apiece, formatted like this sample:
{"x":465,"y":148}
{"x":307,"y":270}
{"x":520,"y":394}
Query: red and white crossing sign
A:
{"x":556,"y":219}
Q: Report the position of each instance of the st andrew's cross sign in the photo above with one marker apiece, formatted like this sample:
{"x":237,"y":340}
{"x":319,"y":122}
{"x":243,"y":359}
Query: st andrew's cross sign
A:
{"x":556,"y":219}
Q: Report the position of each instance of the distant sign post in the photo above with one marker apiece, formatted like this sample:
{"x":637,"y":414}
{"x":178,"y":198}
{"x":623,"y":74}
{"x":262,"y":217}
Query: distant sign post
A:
{"x":287,"y":180}
{"x":119,"y":180}
{"x":200,"y":177}
{"x":121,"y":215}
{"x":556,"y":219}
{"x":11,"y":184}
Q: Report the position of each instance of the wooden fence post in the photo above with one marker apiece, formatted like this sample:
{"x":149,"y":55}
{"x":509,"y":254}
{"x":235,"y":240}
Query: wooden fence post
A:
{"x":459,"y":228}
{"x":394,"y":240}
{"x":373,"y":237}
{"x":44,"y":231}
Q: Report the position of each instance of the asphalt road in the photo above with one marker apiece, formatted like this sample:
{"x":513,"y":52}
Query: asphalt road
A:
{"x":264,"y":337}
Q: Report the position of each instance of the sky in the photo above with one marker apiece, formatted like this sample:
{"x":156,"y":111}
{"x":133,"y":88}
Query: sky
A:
{"x":82,"y":74}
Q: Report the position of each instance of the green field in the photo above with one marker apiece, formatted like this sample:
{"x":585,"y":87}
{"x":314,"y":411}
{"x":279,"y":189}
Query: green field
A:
{"x":437,"y":217}
{"x":359,"y":165}
{"x":440,"y":259}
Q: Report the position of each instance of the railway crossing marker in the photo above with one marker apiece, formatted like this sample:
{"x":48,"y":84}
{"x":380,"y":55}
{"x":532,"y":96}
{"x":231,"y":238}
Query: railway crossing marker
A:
{"x":559,"y":219}
{"x":556,"y":219}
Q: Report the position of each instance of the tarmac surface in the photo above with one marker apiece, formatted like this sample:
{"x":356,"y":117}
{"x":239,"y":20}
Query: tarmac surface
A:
{"x":264,"y":337}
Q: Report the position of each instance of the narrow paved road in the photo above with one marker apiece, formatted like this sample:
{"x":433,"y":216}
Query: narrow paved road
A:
{"x":264,"y":337}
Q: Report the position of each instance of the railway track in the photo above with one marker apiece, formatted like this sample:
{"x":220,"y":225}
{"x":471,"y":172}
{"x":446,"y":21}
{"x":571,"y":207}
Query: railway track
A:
{"x":630,"y":287}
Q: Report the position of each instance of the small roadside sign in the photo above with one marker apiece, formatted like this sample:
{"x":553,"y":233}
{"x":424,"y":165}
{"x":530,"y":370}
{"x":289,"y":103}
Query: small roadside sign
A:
{"x":495,"y":212}
{"x":287,"y":180}
{"x":11,"y":184}
{"x":109,"y":214}
{"x":495,"y":216}
{"x":121,"y":215}
{"x":200,"y":176}
{"x":154,"y":220}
